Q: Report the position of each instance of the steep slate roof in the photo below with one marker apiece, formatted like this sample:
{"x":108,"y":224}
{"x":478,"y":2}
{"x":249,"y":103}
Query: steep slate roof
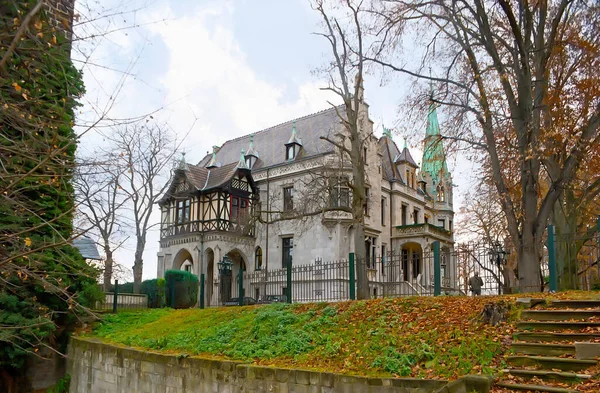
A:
{"x":270,"y":143}
{"x":406,"y":157}
{"x":389,"y":150}
{"x":87,"y":248}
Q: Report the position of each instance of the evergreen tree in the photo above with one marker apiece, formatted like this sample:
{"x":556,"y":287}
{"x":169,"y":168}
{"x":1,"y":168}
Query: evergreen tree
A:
{"x":44,"y":282}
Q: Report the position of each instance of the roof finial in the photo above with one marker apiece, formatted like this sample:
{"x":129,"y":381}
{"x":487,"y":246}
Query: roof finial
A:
{"x":405,"y":142}
{"x":294,"y":138}
{"x":242,"y":162}
{"x":182,"y":164}
{"x":387,"y":132}
{"x":213,"y":161}
{"x":251,"y":151}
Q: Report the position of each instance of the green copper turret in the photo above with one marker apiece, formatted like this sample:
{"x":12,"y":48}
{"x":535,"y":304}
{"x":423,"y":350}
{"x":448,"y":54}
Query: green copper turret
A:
{"x":434,"y":157}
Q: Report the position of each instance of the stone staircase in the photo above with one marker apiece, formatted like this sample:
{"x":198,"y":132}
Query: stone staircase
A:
{"x":555,"y":348}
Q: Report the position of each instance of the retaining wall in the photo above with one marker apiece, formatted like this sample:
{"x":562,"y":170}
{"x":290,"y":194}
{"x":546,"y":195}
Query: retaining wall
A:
{"x":96,"y":367}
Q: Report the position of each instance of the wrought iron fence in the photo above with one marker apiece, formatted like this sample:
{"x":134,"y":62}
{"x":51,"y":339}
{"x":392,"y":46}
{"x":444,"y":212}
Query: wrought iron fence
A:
{"x":577,"y":257}
{"x":314,"y":282}
{"x":566,"y":262}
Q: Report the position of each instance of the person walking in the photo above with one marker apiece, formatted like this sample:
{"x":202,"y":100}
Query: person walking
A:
{"x":475,"y":283}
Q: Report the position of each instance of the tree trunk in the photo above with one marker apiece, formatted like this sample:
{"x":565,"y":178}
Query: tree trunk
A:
{"x":138,"y":267}
{"x":529,"y":253}
{"x":362,"y":281}
{"x":108,"y":268}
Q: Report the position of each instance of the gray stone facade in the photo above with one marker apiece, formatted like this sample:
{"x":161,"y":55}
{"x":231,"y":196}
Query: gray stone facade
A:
{"x":405,"y":213}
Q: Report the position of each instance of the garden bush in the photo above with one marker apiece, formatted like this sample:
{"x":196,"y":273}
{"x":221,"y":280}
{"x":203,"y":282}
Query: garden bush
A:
{"x":183,"y":286}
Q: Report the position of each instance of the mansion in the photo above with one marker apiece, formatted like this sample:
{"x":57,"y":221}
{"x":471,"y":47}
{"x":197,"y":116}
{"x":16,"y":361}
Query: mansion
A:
{"x":269,"y":198}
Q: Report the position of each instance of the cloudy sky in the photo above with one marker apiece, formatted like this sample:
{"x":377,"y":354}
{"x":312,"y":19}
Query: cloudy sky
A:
{"x":214,"y":70}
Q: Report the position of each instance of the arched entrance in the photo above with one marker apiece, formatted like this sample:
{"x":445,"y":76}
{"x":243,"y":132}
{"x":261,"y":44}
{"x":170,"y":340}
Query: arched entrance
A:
{"x":184,"y":261}
{"x":412,"y":262}
{"x":229,"y":279}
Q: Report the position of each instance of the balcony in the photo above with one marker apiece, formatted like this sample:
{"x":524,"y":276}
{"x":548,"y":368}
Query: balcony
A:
{"x":417,"y":230}
{"x":193,"y":227}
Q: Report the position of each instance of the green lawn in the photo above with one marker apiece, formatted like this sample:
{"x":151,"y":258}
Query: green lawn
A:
{"x":419,"y":337}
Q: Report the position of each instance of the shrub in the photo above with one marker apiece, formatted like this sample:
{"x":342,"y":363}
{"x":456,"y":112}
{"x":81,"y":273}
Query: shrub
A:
{"x":183,"y":286}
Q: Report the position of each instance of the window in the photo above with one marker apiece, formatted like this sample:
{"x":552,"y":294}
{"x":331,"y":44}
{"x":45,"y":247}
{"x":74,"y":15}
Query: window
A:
{"x":183,"y":211}
{"x":383,"y":202}
{"x":383,"y":258}
{"x":287,"y":251}
{"x":288,"y":199}
{"x":416,"y":216}
{"x":235,"y":207}
{"x":188,"y":268}
{"x":450,"y":225}
{"x":404,"y":214}
{"x":339,"y":196}
{"x":290,"y":152}
{"x":258,"y":258}
{"x":407,"y":178}
{"x":441,"y":195}
{"x":426,"y":219}
{"x":442,"y":222}
{"x":365,"y":155}
{"x":366,"y":201}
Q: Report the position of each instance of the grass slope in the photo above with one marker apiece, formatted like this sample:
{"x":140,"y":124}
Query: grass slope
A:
{"x":418,"y":337}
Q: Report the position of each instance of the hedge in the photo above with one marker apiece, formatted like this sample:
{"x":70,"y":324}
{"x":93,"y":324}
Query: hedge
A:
{"x":184,"y":286}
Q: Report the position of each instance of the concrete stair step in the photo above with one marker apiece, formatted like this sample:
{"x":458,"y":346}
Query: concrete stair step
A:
{"x":534,"y":388}
{"x":550,"y":363}
{"x":556,"y":325}
{"x":555,"y":337}
{"x":547,"y":375}
{"x":559,"y":315}
{"x":528,"y":348}
{"x":574,"y":304}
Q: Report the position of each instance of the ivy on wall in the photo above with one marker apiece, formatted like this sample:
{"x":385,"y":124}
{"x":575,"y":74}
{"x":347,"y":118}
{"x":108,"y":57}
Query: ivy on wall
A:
{"x":44,"y":282}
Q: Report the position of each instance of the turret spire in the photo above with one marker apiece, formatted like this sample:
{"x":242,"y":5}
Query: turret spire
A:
{"x":213,"y":161}
{"x":182,"y":164}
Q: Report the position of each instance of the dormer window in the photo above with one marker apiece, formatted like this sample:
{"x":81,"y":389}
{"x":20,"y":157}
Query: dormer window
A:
{"x":252,"y":155}
{"x":290,"y":152}
{"x":293,"y":146}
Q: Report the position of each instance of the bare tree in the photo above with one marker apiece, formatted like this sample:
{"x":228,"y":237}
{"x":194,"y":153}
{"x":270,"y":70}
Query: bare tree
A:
{"x":493,"y":66}
{"x":144,"y":152}
{"x":102,"y":200}
{"x":348,"y":62}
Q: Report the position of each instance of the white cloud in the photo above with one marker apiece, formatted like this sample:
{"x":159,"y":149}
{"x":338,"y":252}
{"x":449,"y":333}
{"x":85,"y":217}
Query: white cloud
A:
{"x":207,"y":84}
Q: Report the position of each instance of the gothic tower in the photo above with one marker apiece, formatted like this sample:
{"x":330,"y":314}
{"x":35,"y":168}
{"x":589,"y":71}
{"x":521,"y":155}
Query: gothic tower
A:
{"x":435,"y":173}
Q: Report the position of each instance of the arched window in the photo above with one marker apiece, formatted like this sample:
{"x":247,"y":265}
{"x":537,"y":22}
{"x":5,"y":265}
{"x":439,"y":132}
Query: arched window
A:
{"x":258,"y":258}
{"x":441,"y":194}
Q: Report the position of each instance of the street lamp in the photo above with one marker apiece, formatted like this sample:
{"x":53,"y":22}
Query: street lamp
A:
{"x":224,"y":265}
{"x":499,"y":254}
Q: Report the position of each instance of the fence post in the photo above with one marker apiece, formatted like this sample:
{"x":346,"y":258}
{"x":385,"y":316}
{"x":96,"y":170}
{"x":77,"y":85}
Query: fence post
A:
{"x":352,"y":277}
{"x":115,"y":294}
{"x":289,"y":282}
{"x":437,"y":270}
{"x":552,"y":259}
{"x":202,"y":290}
{"x":241,"y":286}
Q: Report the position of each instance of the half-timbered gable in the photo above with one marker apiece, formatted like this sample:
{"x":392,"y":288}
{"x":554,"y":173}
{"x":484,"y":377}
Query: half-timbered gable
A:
{"x":203,"y":200}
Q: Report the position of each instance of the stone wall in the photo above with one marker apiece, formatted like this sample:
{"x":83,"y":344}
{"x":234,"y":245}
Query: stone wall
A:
{"x":96,"y":367}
